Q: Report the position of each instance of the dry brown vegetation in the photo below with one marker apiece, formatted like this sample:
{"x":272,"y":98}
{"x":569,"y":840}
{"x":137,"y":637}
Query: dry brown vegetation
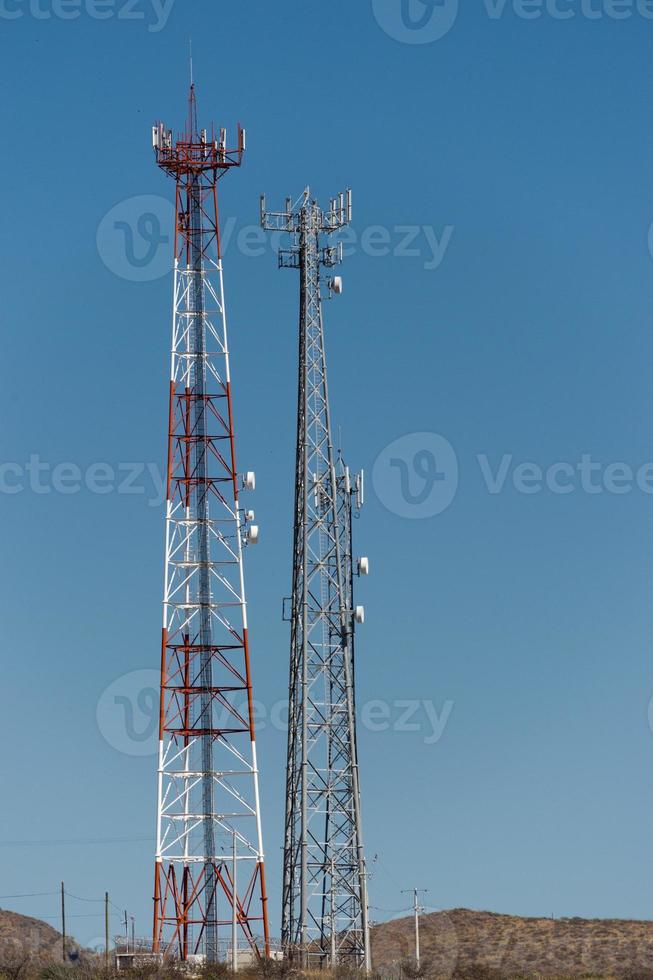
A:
{"x":457,"y":945}
{"x":27,"y":942}
{"x":469,"y":945}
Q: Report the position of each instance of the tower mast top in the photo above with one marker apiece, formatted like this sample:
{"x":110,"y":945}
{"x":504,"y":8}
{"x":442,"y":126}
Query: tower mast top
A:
{"x":196,"y":151}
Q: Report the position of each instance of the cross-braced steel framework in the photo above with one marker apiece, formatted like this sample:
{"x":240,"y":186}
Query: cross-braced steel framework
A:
{"x":208,"y":822}
{"x":324,"y":916}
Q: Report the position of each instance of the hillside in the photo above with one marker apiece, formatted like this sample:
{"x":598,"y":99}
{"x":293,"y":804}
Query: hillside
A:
{"x":461,"y":941}
{"x":22,"y":937}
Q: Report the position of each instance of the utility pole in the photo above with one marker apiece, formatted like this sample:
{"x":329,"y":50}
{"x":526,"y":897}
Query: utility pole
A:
{"x":106,"y":930}
{"x":416,"y":909}
{"x":133,"y":921}
{"x":126,"y":934}
{"x":63,"y":923}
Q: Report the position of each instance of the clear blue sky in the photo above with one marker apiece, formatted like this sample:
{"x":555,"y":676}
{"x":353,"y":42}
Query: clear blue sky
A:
{"x":530,"y":141}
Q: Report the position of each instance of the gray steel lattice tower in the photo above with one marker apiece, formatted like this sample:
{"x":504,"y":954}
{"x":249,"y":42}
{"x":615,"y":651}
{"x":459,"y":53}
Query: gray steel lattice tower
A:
{"x":324,"y":915}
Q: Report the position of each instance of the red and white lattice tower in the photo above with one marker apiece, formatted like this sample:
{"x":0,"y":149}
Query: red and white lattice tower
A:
{"x":209,"y":890}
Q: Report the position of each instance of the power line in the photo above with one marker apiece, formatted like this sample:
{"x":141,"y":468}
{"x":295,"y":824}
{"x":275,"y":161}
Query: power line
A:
{"x":28,"y":895}
{"x":80,"y":899}
{"x":377,"y":861}
{"x":377,"y":908}
{"x":77,"y":898}
{"x":75,"y":915}
{"x":74,"y":840}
